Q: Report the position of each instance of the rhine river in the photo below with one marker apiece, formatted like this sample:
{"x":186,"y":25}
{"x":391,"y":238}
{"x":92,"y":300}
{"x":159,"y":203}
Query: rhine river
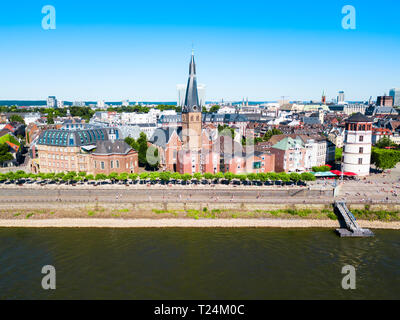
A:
{"x":185,"y":263}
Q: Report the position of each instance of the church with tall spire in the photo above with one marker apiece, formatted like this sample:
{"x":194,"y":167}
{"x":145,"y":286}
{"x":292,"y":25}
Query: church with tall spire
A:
{"x":188,"y":148}
{"x":191,"y":113}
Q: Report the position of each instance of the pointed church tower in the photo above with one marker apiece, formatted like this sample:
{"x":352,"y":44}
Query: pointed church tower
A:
{"x":191,"y":113}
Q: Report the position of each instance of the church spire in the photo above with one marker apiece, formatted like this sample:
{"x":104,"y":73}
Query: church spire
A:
{"x":191,"y":98}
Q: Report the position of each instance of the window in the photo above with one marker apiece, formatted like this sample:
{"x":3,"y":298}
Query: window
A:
{"x":111,"y":164}
{"x":359,"y":160}
{"x":361,"y":150}
{"x":117,"y":163}
{"x":102,"y":165}
{"x":257,"y":165}
{"x":361,"y":139}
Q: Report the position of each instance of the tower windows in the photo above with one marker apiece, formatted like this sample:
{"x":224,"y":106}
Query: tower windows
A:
{"x":361,"y":139}
{"x":360,"y":161}
{"x":361,"y":150}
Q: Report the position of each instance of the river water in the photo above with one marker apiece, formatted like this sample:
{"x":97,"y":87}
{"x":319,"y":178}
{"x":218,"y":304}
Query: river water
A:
{"x":191,"y":263}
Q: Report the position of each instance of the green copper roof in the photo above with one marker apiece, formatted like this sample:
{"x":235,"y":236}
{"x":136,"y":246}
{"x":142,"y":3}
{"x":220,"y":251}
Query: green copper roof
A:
{"x":72,"y":138}
{"x":288,"y":143}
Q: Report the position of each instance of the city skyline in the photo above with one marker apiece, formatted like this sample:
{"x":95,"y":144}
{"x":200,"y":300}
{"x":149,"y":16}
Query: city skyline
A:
{"x":260,"y":51}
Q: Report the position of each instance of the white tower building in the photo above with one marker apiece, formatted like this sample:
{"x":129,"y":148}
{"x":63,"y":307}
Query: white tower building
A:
{"x":357,"y":145}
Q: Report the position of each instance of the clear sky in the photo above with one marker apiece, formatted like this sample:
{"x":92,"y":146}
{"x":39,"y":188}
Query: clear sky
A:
{"x":140,"y":50}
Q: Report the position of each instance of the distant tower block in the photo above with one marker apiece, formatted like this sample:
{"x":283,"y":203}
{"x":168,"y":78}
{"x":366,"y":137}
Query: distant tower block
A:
{"x":357,"y":145}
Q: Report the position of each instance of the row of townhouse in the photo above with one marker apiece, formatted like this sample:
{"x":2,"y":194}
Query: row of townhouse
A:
{"x":299,"y":153}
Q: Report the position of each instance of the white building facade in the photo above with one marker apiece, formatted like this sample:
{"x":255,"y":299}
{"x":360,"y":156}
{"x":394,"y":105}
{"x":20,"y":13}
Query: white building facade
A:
{"x":357,"y":145}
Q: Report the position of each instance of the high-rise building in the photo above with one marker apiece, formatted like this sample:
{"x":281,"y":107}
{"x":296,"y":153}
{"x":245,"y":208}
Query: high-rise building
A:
{"x":181,"y":90}
{"x":357,"y":145}
{"x":79,"y":103}
{"x":384,"y":101}
{"x":340,"y":98}
{"x":51,"y":102}
{"x":395,"y":93}
{"x":101,"y":104}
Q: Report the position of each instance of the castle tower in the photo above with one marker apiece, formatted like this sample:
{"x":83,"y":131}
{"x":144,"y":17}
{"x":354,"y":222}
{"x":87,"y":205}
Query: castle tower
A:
{"x":191,"y":113}
{"x":357,"y":145}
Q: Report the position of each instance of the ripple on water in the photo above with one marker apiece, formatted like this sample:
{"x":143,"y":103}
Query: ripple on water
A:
{"x":192,"y":263}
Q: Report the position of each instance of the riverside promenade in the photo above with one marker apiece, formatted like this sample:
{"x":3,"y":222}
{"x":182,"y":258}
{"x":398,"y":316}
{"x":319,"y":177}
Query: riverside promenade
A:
{"x":119,"y":206}
{"x":154,"y":193}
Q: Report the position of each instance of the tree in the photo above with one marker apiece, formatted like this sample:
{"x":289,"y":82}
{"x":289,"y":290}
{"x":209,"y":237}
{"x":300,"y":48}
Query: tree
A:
{"x":60,"y":175}
{"x":50,"y":119}
{"x":186,"y":176}
{"x":152,"y":158}
{"x":307,"y":176}
{"x":321,"y":169}
{"x":5,"y":155}
{"x":133,"y":176}
{"x":384,"y":143}
{"x":113,"y":176}
{"x":241,"y":177}
{"x":294,"y":176}
{"x":338,"y":154}
{"x":176,"y":176}
{"x":228,"y":176}
{"x":144,"y":175}
{"x":268,"y":135}
{"x":214,"y":109}
{"x":154,"y":176}
{"x":208,"y":175}
{"x":225,"y":130}
{"x":219,"y":175}
{"x":17,"y":118}
{"x":385,"y":159}
{"x":197,"y":176}
{"x":283,"y":176}
{"x":100,"y":176}
{"x":165,"y":176}
{"x":123,"y":176}
{"x":144,"y":153}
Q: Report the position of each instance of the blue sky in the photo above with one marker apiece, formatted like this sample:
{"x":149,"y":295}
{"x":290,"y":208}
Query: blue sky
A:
{"x":262,"y":50}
